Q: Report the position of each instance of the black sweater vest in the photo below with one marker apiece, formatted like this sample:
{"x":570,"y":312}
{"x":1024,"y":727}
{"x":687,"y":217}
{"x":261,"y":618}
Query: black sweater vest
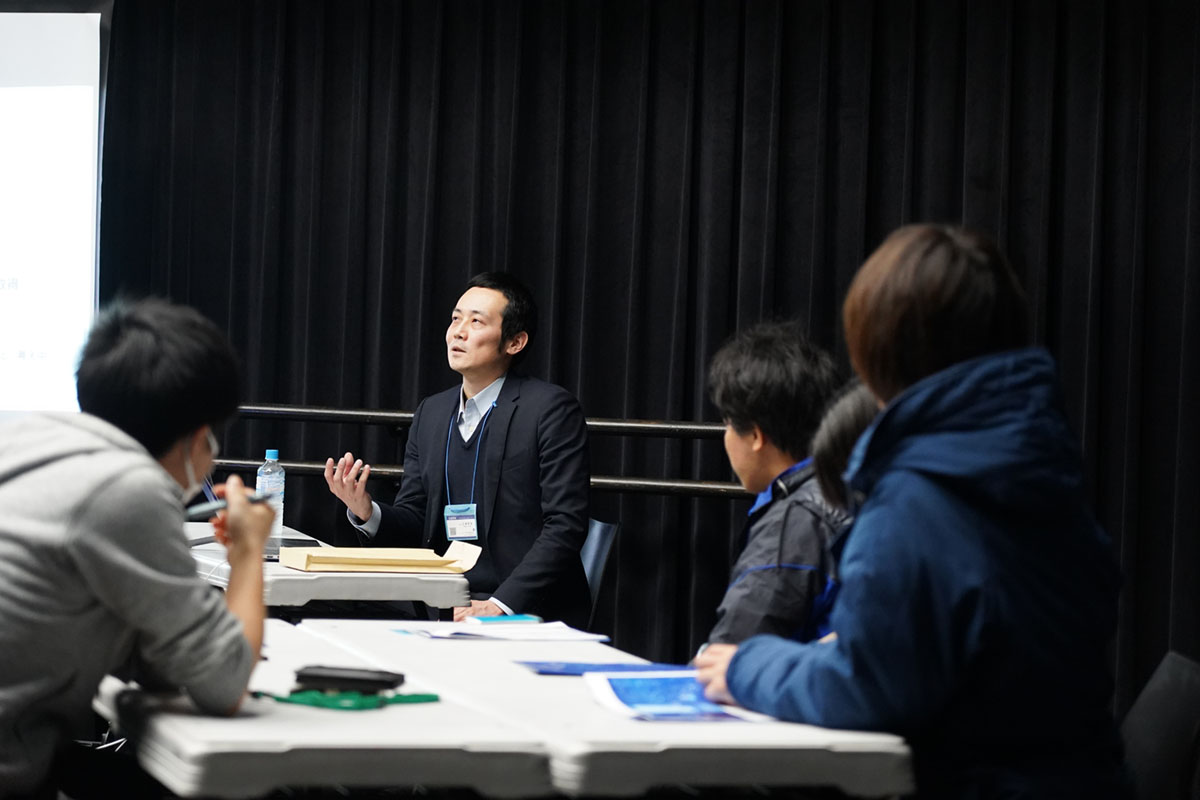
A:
{"x":459,"y":465}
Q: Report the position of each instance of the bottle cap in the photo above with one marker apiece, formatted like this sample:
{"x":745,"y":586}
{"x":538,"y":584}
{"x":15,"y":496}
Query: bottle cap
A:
{"x":272,"y":455}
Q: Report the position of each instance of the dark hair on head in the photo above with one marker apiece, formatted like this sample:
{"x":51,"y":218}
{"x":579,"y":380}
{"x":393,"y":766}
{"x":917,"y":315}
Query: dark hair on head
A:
{"x":520,"y":314}
{"x":848,"y":416}
{"x":930,"y":296}
{"x":157,"y":371}
{"x":771,"y":376}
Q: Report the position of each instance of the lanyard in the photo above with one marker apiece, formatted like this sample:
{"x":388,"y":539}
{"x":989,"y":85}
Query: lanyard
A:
{"x":478,"y":442}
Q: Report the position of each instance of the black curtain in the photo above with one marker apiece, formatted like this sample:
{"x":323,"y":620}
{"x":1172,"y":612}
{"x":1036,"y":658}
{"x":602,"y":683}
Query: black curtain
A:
{"x":322,"y":177}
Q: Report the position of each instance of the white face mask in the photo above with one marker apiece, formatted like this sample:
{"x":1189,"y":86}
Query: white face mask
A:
{"x":194,"y":487}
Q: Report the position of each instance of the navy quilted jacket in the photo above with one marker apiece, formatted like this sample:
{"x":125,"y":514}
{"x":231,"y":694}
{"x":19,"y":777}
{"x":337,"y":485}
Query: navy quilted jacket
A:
{"x":978,"y":596}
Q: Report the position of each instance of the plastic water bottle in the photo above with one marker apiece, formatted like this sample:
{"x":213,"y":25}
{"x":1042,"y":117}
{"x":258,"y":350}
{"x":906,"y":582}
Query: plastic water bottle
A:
{"x":270,"y":481}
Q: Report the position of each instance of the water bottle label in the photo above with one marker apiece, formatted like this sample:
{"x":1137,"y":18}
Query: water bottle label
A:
{"x":269,"y":484}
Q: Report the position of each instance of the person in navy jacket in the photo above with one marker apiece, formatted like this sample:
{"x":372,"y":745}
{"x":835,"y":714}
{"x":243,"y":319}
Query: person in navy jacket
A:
{"x":978,"y":593}
{"x":500,"y":461}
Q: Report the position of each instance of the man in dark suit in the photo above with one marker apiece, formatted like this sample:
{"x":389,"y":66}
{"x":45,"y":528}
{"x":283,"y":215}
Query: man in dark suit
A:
{"x":500,"y":461}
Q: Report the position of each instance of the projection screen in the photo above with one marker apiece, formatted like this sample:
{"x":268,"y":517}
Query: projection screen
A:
{"x":49,"y":134}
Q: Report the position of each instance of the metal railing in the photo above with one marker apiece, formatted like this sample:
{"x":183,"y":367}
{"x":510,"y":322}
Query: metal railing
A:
{"x":401,"y":420}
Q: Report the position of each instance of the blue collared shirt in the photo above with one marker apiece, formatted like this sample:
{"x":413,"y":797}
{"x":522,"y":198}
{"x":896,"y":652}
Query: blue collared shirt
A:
{"x":470,"y":412}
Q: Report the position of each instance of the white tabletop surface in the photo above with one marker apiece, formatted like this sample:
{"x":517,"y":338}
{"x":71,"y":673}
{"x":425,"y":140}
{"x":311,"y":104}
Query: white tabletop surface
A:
{"x":269,"y":744}
{"x":498,"y":728}
{"x":595,"y":751}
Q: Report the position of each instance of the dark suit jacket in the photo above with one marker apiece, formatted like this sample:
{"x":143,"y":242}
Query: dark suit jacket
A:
{"x":535,"y":497}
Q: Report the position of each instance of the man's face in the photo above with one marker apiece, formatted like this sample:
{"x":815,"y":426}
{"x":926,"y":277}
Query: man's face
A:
{"x":474,"y":343}
{"x":744,"y":450}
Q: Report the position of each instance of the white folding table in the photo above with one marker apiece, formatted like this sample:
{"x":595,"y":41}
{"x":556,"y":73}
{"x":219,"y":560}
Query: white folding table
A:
{"x":283,"y":586}
{"x":269,"y":745}
{"x":594,"y":751}
{"x":498,"y":728}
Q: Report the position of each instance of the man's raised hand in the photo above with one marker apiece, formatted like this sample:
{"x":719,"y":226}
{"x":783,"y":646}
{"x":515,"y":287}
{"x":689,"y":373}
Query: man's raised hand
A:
{"x":347,"y":479}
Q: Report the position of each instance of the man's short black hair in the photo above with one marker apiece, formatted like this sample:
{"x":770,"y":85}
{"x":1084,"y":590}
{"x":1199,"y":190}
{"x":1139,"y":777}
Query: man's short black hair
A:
{"x":521,"y":312}
{"x":771,"y":376}
{"x":157,"y":371}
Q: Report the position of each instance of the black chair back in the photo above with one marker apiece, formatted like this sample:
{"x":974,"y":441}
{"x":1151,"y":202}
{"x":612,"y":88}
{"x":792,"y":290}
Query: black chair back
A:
{"x":594,"y":554}
{"x":1162,"y":732}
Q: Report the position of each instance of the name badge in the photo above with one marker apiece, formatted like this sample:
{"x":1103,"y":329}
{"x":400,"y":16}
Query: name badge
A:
{"x":460,"y":523}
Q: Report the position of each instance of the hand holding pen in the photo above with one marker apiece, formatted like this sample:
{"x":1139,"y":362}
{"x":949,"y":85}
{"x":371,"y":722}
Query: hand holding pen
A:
{"x":242,"y":526}
{"x":207,"y":511}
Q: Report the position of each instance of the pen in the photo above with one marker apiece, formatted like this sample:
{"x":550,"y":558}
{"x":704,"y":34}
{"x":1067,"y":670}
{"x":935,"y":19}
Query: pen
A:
{"x":205,"y":511}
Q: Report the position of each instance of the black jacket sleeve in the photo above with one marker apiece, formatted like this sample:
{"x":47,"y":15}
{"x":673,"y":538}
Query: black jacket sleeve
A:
{"x":403,"y":522}
{"x":563,"y":475}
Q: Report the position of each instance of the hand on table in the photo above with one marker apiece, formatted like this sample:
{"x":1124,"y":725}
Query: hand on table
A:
{"x":347,"y":479}
{"x":478,"y":608}
{"x":711,"y":666}
{"x":243,"y":527}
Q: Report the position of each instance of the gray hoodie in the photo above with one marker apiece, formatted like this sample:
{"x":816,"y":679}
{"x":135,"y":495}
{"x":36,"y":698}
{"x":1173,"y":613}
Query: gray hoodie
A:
{"x":94,"y":567}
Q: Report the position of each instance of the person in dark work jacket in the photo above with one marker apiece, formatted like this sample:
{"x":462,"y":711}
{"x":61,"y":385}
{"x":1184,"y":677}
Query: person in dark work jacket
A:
{"x":978,"y":594}
{"x":771,"y":385}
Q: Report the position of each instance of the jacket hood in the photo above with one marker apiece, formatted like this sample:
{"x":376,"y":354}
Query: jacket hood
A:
{"x":30,"y":442}
{"x":994,"y":424}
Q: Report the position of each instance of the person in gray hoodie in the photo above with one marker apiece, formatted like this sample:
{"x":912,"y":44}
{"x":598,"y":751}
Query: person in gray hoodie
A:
{"x":95,"y":570}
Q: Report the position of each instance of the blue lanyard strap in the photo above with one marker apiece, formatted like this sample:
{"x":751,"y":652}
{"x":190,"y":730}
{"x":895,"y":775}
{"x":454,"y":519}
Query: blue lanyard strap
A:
{"x":478,"y":442}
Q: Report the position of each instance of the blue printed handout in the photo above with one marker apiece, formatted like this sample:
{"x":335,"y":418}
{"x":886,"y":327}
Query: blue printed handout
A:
{"x":660,"y":696}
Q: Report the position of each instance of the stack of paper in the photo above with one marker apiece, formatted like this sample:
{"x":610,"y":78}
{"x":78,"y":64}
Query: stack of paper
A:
{"x":527,"y":632}
{"x":459,"y":558}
